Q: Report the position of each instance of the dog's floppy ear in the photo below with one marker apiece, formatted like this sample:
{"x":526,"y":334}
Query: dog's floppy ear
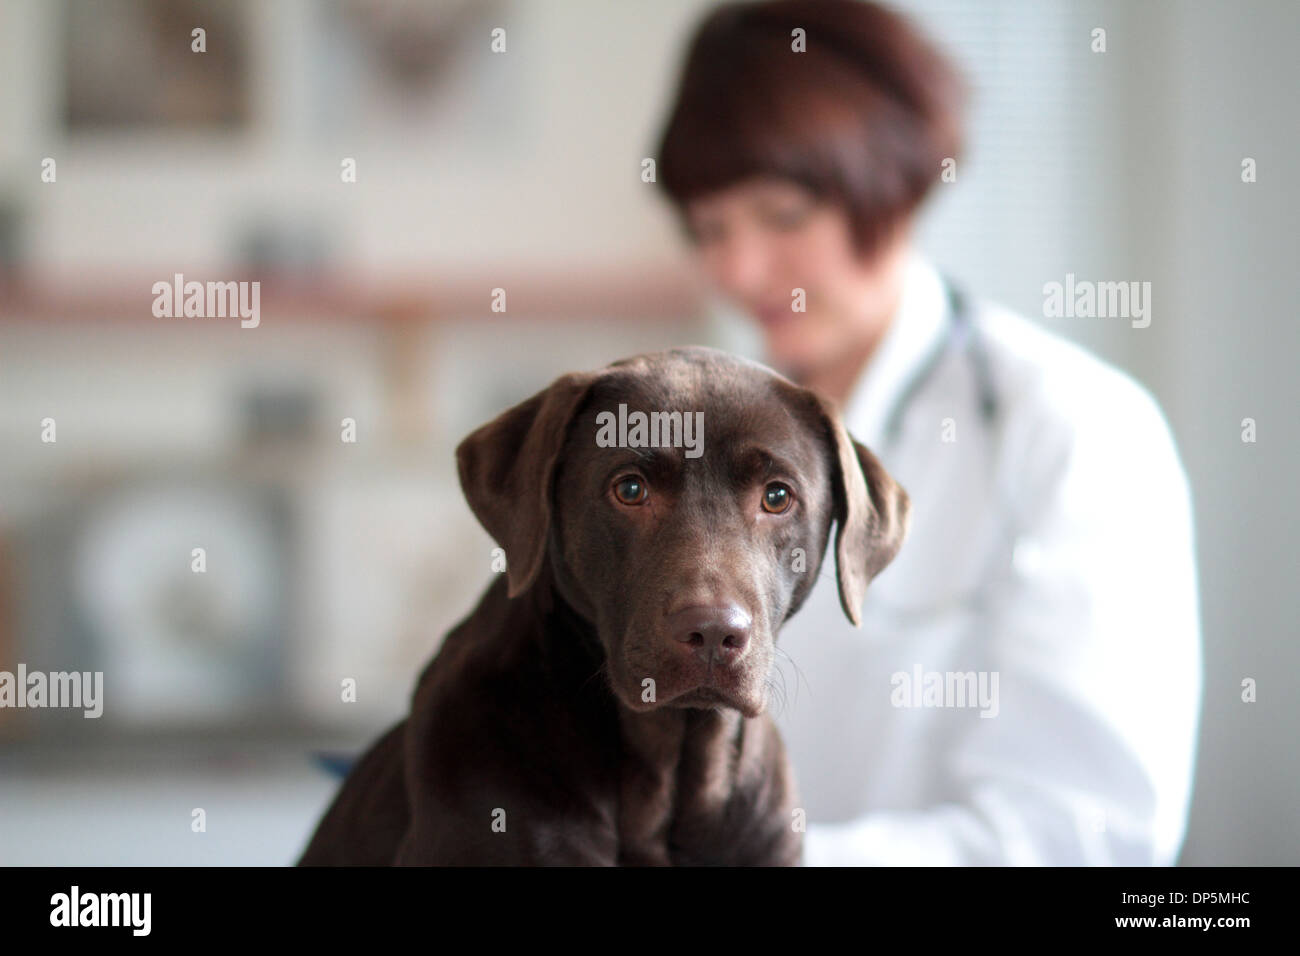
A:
{"x":872,"y":512}
{"x":506,"y":468}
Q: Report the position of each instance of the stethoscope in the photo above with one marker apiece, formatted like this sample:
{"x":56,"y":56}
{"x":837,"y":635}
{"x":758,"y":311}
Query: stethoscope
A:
{"x":962,"y":336}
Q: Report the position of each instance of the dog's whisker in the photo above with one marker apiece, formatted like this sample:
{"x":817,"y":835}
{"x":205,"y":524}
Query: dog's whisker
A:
{"x":776,"y":692}
{"x":797,"y":671}
{"x":596,"y":673}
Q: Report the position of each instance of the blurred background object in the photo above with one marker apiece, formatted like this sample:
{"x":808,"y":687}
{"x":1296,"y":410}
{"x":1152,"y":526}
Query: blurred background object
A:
{"x":126,"y":158}
{"x":124,"y":68}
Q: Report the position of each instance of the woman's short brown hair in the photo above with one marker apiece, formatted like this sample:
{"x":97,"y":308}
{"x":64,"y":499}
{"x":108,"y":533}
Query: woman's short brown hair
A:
{"x":865,"y":117}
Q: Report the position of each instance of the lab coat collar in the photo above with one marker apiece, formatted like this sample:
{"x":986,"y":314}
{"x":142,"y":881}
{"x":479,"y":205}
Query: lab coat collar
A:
{"x":914,"y":331}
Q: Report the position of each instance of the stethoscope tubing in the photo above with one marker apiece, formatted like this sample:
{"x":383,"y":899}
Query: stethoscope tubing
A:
{"x":962,"y":335}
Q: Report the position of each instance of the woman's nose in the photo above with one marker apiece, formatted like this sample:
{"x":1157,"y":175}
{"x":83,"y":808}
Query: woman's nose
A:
{"x":741,"y":264}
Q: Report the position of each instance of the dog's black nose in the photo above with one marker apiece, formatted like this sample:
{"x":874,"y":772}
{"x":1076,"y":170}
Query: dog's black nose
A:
{"x":720,"y":633}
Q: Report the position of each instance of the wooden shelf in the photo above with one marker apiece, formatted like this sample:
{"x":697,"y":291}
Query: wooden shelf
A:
{"x":661,"y":293}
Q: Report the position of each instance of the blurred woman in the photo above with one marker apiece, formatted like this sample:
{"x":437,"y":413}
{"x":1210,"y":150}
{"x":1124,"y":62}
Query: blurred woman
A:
{"x":1025,"y":687}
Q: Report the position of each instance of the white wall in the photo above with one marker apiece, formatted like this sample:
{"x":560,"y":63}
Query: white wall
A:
{"x":1220,"y":84}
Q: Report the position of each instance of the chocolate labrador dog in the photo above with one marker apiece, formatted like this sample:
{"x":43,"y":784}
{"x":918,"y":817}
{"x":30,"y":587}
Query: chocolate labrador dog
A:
{"x":605,"y":702}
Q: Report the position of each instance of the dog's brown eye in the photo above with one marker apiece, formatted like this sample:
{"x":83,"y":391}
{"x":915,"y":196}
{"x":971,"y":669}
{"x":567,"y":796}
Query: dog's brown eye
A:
{"x":777,"y":498}
{"x":630,"y":490}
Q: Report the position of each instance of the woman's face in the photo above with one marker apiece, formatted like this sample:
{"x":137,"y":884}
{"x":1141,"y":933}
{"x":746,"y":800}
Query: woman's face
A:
{"x":761,"y":240}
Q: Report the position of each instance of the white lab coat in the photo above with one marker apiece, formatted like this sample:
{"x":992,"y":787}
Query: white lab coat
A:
{"x":1053,"y":550}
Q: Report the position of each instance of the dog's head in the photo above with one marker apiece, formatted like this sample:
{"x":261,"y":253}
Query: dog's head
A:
{"x":684,"y":500}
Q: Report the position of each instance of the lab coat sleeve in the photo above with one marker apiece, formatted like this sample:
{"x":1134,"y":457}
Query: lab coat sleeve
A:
{"x":1090,"y":621}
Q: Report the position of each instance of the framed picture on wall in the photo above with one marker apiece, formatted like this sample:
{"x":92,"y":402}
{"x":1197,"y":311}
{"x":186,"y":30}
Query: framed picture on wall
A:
{"x":155,"y":64}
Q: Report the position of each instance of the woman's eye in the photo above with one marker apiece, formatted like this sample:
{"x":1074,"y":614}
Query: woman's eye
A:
{"x":630,"y":490}
{"x":777,"y":498}
{"x":702,"y":234}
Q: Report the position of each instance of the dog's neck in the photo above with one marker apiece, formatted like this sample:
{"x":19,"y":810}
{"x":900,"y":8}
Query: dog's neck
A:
{"x":678,"y":768}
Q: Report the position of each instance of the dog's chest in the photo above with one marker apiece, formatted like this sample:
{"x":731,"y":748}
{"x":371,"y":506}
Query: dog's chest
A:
{"x":677,"y":773}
